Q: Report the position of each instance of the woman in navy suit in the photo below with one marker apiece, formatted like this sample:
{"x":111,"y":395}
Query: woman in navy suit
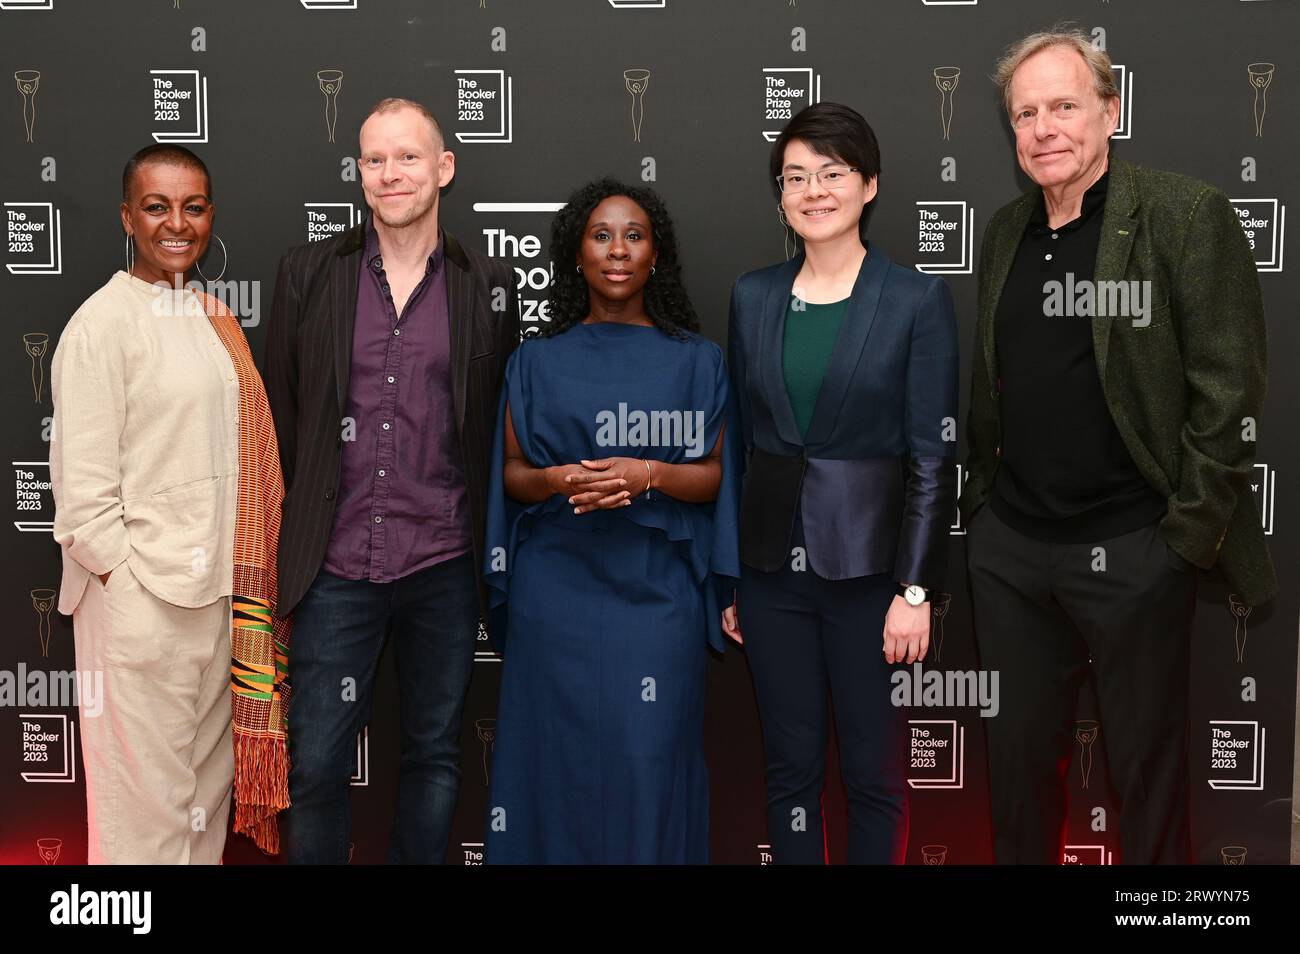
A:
{"x":844,"y":365}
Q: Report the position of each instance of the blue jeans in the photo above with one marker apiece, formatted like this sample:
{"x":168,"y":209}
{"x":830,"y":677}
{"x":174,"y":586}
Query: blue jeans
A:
{"x":338,"y":633}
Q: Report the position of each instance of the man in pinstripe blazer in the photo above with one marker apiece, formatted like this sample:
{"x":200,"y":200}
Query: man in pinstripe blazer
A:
{"x":385,"y":354}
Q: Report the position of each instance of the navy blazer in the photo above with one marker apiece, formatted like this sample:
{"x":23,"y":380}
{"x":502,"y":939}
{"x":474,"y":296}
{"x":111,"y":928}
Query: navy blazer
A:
{"x":875,"y":477}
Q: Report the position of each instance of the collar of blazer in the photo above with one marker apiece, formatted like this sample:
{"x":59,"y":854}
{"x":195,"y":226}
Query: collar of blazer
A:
{"x":849,"y":342}
{"x":465,"y":305}
{"x":1119,"y":227}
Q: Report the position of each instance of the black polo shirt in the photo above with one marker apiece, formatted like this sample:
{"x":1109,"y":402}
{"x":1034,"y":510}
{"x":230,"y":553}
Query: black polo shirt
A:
{"x":1065,"y":475}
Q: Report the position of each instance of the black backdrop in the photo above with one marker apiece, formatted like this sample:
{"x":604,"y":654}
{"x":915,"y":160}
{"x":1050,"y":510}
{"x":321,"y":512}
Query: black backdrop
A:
{"x":537,"y":97}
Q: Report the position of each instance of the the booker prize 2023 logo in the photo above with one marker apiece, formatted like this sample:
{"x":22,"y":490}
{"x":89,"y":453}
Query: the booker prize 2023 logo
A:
{"x":484,"y":110}
{"x":513,"y":231}
{"x":33,"y":497}
{"x":1236,"y":755}
{"x":1264,"y":222}
{"x":327,"y":219}
{"x":179,"y":103}
{"x":33,"y":242}
{"x":937,"y":753}
{"x":945,"y":237}
{"x":48,"y":746}
{"x":786,"y":90}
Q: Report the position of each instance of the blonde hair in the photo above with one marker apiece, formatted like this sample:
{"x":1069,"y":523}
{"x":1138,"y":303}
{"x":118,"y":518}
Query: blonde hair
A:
{"x":1098,"y":61}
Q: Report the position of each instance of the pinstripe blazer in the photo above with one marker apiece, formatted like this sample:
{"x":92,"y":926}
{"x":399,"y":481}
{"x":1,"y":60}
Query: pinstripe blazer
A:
{"x":308,"y":360}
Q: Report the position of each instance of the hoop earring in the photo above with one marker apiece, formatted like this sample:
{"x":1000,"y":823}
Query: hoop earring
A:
{"x":652,"y":271}
{"x":578,"y":269}
{"x":130,"y":254}
{"x":225,"y":261}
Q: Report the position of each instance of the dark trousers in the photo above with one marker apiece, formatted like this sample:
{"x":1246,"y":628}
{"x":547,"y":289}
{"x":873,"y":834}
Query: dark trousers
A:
{"x":802,"y":633}
{"x":339,"y":630}
{"x":1042,"y":610}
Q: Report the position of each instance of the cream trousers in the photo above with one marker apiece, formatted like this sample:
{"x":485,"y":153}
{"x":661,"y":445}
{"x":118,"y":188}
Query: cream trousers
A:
{"x":159,"y":760}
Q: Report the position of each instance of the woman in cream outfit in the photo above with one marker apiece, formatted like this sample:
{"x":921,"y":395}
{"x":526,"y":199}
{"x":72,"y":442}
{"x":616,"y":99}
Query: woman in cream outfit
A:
{"x":144,"y":461}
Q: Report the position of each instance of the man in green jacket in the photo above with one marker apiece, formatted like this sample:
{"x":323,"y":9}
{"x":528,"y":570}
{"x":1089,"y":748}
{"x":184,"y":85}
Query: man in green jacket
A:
{"x":1116,"y":386}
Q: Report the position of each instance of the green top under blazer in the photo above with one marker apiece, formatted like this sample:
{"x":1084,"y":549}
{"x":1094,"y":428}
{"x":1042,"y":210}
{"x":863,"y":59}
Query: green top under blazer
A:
{"x":1179,"y":387}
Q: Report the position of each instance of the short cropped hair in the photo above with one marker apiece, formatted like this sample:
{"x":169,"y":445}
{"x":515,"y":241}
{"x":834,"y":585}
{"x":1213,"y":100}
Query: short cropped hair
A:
{"x":168,"y":154}
{"x":393,"y":103}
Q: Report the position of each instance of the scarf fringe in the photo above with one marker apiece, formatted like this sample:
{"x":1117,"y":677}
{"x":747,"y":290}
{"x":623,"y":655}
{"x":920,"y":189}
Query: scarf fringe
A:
{"x":261,"y":788}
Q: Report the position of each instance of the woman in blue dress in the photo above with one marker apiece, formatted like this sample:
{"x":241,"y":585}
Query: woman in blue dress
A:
{"x":611,"y":535}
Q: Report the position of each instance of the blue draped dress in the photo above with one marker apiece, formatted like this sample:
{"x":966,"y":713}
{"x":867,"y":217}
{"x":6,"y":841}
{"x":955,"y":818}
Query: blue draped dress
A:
{"x":605,"y":618}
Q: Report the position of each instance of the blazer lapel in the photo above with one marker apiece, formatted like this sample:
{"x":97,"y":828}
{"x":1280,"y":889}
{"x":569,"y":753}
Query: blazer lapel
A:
{"x":464,"y":308}
{"x":1002,"y":255}
{"x":1118,"y":229}
{"x":344,"y":270}
{"x":849,"y":343}
{"x":771,"y":333}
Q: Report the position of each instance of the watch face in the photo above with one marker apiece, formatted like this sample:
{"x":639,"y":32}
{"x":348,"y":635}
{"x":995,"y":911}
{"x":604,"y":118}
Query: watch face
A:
{"x":915,"y":595}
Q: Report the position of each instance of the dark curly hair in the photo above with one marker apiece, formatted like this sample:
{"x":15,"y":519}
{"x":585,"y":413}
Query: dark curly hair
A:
{"x":666,"y":301}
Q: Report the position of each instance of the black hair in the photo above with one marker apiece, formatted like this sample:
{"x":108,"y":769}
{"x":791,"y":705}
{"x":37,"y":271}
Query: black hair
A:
{"x":837,"y":131}
{"x":167,"y":154}
{"x":666,"y":301}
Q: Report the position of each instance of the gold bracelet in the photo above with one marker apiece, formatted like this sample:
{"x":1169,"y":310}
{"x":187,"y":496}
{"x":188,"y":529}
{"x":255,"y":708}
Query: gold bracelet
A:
{"x":649,"y":476}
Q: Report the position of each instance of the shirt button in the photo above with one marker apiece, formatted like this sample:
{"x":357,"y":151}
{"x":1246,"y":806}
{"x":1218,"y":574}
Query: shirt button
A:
{"x":329,"y":495}
{"x":379,"y":520}
{"x":397,"y":331}
{"x":391,"y":379}
{"x":1054,"y":235}
{"x":387,"y":426}
{"x":1047,"y":257}
{"x":382,"y":473}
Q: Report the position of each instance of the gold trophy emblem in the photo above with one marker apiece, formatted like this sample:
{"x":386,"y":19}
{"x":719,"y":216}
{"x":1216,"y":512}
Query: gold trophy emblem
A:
{"x":331,"y":81}
{"x":29,"y":81}
{"x":1239,"y":611}
{"x":48,"y":849}
{"x":486,"y":729}
{"x":938,"y":610}
{"x":934,"y":854}
{"x":946,"y":78}
{"x":36,"y":344}
{"x":43,"y":603}
{"x":636,"y":82}
{"x":1085,"y":733}
{"x":1261,"y":77}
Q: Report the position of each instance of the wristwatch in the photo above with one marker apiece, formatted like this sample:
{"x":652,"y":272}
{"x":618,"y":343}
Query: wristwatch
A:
{"x":915,"y":595}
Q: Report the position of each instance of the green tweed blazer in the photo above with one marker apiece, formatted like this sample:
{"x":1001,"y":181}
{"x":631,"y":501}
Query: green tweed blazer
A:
{"x":1185,"y":390}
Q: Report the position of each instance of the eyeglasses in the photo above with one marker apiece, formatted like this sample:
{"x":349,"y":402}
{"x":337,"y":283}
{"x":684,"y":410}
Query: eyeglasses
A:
{"x":832,"y":177}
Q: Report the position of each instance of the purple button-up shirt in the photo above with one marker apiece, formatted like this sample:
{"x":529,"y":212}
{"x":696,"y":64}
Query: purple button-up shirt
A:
{"x":401,"y":496}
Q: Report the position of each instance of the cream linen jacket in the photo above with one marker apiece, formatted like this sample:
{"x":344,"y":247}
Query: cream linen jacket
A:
{"x":144,"y":455}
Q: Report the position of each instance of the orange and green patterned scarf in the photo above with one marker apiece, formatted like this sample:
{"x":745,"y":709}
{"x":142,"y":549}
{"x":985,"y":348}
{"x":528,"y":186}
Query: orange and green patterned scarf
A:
{"x":259,"y":640}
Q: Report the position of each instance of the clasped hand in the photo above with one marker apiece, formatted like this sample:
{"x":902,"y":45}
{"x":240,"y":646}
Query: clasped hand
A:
{"x":600,"y":484}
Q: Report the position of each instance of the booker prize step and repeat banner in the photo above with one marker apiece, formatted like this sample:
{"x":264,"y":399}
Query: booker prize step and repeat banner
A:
{"x":537,"y":97}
